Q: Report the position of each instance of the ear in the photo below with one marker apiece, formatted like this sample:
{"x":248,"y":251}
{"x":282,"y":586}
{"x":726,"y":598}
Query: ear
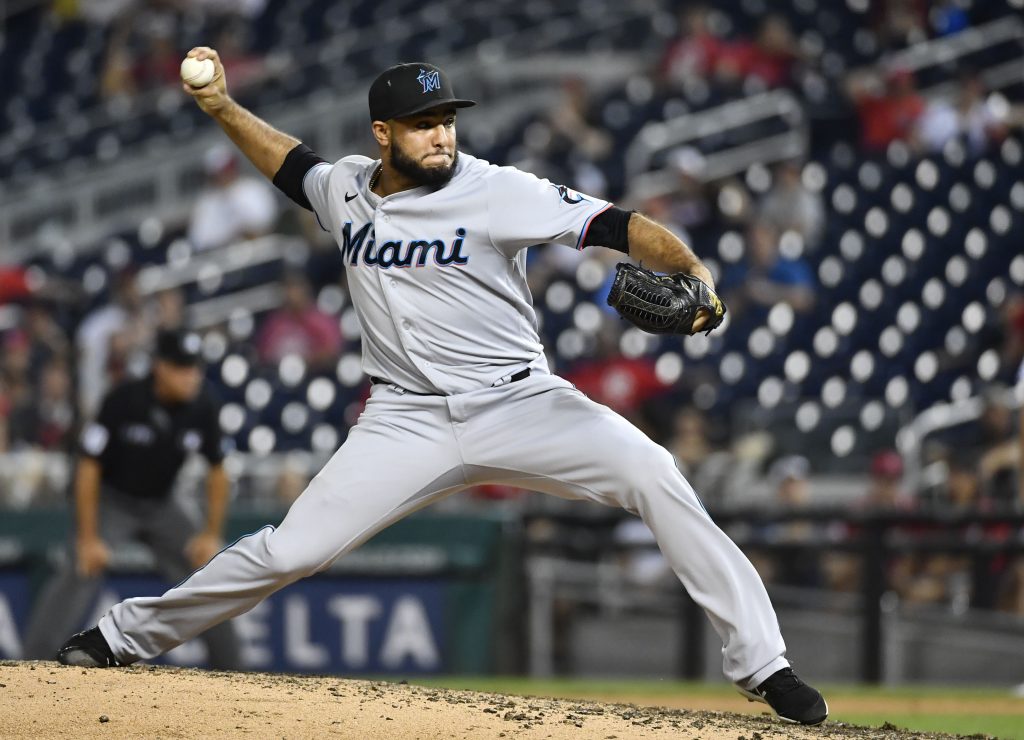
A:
{"x":382,"y":133}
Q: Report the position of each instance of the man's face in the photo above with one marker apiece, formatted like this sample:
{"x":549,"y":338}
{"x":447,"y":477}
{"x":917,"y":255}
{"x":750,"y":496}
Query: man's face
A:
{"x":177,"y":383}
{"x":423,"y":146}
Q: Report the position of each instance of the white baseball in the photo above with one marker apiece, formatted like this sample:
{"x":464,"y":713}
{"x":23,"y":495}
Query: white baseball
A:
{"x":197,"y":72}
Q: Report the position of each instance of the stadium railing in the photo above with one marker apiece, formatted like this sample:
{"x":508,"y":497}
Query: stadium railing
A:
{"x":879,"y":629}
{"x":941,"y":416}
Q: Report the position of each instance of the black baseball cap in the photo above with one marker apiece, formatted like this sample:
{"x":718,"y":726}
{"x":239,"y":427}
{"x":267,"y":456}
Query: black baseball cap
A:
{"x":179,"y":347}
{"x":407,"y":89}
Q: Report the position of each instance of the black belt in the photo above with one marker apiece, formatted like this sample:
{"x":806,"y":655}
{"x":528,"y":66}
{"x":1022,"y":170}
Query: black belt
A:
{"x":380,"y":381}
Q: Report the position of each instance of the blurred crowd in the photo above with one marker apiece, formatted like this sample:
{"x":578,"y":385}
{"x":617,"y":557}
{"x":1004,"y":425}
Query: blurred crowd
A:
{"x":61,"y":351}
{"x":143,"y":51}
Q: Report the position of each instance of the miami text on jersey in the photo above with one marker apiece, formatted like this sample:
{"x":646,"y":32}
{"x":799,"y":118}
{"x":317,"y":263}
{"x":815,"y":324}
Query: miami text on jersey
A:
{"x":399,"y":254}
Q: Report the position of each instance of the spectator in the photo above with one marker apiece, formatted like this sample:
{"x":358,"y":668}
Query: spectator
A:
{"x":789,"y":206}
{"x":44,"y":420}
{"x":14,"y":284}
{"x":298,"y":327}
{"x":662,"y":208}
{"x":949,"y":17}
{"x":767,"y":62}
{"x":766,"y":278}
{"x":694,"y":53}
{"x":793,"y":565}
{"x":885,"y":494}
{"x":888,"y":110}
{"x":578,"y":139}
{"x":688,"y":206}
{"x":899,"y":23}
{"x":46,"y":339}
{"x":159,"y":62}
{"x":690,"y":444}
{"x":116,"y":78}
{"x":15,"y":366}
{"x":233,"y":206}
{"x":169,"y":309}
{"x":623,"y":383}
{"x":19,"y":283}
{"x":713,"y":472}
{"x":969,"y":118}
{"x":963,"y":484}
{"x":885,"y":490}
{"x":932,"y":579}
{"x":996,"y":449}
{"x":240,"y":66}
{"x":1011,"y":592}
{"x":104,"y":339}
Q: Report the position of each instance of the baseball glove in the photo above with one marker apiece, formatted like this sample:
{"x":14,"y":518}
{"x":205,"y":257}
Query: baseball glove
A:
{"x":663,"y":304}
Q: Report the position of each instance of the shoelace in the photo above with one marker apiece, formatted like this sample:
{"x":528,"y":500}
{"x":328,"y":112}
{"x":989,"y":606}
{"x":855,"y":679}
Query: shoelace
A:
{"x":785,"y":682}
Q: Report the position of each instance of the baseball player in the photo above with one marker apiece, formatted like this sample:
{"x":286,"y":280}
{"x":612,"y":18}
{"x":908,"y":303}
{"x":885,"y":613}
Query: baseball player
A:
{"x":129,"y":458}
{"x":434,"y":244}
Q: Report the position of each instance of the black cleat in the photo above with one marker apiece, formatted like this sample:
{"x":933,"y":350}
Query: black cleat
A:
{"x":790,"y":698}
{"x":87,"y":649}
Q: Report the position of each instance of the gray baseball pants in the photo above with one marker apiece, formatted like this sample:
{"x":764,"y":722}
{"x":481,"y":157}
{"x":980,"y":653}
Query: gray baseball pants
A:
{"x":407,"y":451}
{"x":165,"y":527}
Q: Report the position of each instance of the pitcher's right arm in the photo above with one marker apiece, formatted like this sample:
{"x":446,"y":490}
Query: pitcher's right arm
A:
{"x":281,"y":158}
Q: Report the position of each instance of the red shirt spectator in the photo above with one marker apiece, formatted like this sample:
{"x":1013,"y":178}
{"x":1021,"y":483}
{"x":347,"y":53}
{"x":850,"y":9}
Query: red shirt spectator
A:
{"x":619,"y":382}
{"x":891,"y":116}
{"x":299,"y":328}
{"x":13,"y":284}
{"x":746,"y":60}
{"x":694,"y":53}
{"x":769,"y":58}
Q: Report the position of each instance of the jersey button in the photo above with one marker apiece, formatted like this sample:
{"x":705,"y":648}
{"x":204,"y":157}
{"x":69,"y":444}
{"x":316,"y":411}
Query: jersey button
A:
{"x":393,"y":283}
{"x":406,"y":325}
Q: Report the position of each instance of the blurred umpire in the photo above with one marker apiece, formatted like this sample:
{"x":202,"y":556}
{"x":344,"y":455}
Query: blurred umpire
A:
{"x":128,"y":462}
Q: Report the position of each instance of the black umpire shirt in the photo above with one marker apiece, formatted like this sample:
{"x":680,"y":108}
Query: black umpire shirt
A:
{"x":141,"y":443}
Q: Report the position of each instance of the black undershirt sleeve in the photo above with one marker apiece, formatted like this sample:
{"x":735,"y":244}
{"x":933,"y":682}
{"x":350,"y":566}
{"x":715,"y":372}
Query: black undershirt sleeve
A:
{"x":610,"y":229}
{"x":288,"y":179}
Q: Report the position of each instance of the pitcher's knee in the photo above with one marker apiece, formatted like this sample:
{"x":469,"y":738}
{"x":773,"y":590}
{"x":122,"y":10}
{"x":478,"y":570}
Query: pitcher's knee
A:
{"x":649,"y":469}
{"x":291,"y":563}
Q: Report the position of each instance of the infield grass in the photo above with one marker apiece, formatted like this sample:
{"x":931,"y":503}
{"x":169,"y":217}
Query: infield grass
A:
{"x":965,"y":711}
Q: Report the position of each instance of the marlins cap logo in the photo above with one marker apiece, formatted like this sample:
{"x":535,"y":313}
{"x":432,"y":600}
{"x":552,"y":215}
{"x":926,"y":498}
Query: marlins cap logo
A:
{"x":430,"y":80}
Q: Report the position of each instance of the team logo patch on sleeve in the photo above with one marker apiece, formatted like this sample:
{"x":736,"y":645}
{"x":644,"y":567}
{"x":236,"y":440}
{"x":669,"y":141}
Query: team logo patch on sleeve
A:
{"x":568,"y":195}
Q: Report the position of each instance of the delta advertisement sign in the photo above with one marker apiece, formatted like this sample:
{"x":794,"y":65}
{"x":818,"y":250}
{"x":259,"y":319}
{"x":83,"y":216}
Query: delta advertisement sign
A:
{"x":319,"y":625}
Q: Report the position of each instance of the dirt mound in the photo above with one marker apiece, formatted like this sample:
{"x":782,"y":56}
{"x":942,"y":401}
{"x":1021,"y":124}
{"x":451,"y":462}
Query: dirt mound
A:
{"x":42,"y":699}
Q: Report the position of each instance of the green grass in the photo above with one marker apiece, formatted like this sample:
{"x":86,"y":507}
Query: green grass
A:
{"x":1001,"y":726}
{"x":956,"y":714}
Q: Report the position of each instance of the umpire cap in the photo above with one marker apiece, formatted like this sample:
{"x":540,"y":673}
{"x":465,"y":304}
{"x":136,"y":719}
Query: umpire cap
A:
{"x":179,"y":347}
{"x":407,"y":89}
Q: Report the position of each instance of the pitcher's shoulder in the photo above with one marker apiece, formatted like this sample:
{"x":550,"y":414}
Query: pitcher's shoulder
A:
{"x":473,"y":168}
{"x":354,"y":164}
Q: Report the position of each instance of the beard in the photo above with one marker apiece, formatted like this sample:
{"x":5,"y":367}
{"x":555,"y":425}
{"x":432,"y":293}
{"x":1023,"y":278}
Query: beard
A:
{"x":431,"y":176}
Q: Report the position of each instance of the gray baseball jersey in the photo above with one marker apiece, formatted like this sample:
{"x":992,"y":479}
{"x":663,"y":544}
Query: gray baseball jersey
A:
{"x":437,"y":277}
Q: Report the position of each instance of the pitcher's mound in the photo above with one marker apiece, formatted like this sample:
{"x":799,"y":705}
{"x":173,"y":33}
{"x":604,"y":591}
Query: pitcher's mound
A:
{"x":43,"y":699}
